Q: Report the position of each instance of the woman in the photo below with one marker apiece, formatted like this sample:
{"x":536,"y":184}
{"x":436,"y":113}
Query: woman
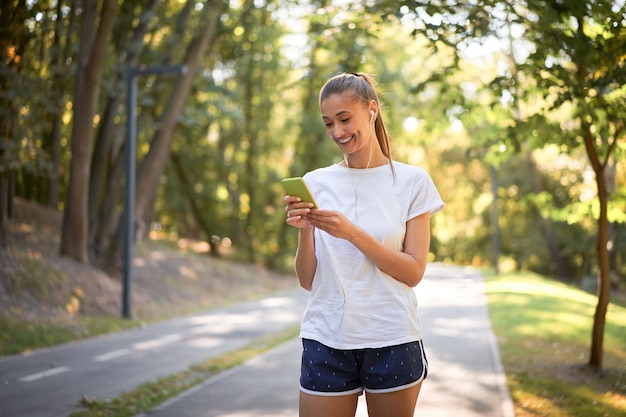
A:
{"x":360,"y":254}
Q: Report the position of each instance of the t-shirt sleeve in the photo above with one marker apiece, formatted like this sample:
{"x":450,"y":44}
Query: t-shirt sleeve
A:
{"x":312,"y":184}
{"x":425,"y":196}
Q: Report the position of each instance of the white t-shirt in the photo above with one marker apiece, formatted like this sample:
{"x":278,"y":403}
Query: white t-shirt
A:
{"x":353,"y":304}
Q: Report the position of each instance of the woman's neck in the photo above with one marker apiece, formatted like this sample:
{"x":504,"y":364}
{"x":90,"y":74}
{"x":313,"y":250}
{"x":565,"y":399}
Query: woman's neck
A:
{"x":355,"y":162}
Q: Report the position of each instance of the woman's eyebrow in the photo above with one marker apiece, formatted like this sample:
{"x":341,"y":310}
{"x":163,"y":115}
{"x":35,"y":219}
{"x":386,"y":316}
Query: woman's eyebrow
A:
{"x":342,"y":112}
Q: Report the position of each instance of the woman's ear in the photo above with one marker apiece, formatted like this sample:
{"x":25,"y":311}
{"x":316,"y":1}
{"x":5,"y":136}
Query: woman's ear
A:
{"x":373,"y":108}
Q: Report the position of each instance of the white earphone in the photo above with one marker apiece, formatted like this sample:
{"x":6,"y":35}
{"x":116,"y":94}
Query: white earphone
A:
{"x":372,"y":113}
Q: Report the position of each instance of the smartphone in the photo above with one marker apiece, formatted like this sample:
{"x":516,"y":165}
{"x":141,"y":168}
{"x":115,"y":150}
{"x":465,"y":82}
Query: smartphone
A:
{"x":297,"y":187}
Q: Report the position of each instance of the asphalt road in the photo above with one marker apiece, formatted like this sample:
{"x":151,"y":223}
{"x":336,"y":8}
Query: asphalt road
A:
{"x":50,"y":382}
{"x":465,"y":375}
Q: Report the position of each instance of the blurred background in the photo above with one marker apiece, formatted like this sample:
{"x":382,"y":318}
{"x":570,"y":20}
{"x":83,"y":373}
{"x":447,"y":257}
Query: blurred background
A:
{"x":516,"y":109}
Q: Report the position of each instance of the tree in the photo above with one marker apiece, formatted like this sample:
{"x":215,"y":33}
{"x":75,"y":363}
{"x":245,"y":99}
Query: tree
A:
{"x":91,"y":227}
{"x":577,"y":65}
{"x":58,"y":82}
{"x":20,"y":153}
{"x":107,"y":162}
{"x":154,"y":162}
{"x":93,"y":49}
{"x":13,"y":39}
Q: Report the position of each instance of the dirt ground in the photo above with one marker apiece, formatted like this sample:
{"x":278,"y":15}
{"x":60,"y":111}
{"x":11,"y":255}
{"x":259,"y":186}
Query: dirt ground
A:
{"x":169,"y":278}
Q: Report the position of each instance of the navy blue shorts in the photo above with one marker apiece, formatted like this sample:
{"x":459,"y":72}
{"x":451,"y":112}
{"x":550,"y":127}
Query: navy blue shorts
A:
{"x":328,"y":371}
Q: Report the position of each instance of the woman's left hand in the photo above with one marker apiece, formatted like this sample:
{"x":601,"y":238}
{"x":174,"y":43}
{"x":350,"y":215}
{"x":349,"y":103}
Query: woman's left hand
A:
{"x":332,"y":222}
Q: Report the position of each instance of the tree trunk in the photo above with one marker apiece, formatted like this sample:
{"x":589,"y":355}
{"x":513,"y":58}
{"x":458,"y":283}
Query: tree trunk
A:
{"x":14,"y":37}
{"x":604,"y":282}
{"x":105,"y":181}
{"x":154,"y":163}
{"x":58,"y":84}
{"x":251,"y":169}
{"x":74,"y":237}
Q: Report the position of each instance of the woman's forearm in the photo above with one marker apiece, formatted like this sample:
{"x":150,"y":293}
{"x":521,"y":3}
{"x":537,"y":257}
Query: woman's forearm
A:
{"x":399,"y":265}
{"x":305,"y":263}
{"x":407,"y":266}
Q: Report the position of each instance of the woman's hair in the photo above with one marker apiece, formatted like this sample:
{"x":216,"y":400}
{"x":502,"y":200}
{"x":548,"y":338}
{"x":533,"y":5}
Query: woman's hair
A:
{"x":362,"y":87}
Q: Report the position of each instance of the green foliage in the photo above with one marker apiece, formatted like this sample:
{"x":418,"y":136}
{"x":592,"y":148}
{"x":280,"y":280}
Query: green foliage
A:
{"x":26,"y":115}
{"x":253,"y":117}
{"x":230,"y":176}
{"x":553,"y":94}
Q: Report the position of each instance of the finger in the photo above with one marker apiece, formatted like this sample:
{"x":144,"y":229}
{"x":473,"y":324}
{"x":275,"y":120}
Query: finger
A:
{"x":322,"y":212}
{"x":327,"y":217}
{"x":291,"y":199}
{"x":323,"y":223}
{"x":299,"y":206}
{"x":297,"y":212}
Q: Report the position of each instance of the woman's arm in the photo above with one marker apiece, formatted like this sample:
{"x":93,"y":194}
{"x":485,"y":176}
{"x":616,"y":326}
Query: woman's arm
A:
{"x":306,"y":262}
{"x":406,"y":266}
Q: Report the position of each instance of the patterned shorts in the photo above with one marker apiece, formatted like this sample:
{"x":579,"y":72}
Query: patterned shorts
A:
{"x":328,"y":371}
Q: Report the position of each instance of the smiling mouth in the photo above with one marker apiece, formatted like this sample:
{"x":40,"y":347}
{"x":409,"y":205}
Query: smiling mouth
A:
{"x":346,"y":140}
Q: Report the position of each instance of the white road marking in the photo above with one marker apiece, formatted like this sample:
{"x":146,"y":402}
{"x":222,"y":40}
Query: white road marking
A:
{"x":151,"y":344}
{"x":111,"y":355}
{"x":45,"y":374}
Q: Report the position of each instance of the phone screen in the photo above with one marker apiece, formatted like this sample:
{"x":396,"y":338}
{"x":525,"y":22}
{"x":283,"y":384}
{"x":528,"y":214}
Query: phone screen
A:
{"x":297,"y":187}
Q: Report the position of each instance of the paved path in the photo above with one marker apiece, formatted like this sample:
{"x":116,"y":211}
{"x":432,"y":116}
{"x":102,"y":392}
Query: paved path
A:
{"x":465,"y":374}
{"x":50,"y":382}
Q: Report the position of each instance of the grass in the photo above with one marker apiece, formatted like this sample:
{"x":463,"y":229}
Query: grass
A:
{"x":17,"y":336}
{"x":150,"y":395}
{"x":544,"y":332}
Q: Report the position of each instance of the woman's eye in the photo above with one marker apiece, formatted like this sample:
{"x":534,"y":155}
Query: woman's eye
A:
{"x":345,"y":120}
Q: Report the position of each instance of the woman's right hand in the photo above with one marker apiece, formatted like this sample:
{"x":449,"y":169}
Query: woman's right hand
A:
{"x":297,"y":210}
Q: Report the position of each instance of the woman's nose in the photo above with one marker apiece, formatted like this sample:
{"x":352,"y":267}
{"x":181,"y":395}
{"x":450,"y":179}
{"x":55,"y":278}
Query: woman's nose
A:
{"x":337,"y":131}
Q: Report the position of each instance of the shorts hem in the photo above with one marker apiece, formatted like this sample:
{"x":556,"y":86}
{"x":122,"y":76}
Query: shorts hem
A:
{"x":394,"y":389}
{"x":332,"y":393}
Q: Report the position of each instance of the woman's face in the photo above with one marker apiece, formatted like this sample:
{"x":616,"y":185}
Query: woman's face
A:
{"x":347,"y":122}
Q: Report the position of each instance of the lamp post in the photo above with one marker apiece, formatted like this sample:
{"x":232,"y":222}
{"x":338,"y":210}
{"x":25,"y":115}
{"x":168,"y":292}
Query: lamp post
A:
{"x":494,"y":219}
{"x":131,"y":150}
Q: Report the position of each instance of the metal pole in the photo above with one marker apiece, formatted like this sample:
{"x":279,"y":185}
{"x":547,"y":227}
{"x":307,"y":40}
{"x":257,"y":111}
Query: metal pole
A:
{"x":129,"y":205}
{"x":131,"y":151}
{"x":494,"y":219}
